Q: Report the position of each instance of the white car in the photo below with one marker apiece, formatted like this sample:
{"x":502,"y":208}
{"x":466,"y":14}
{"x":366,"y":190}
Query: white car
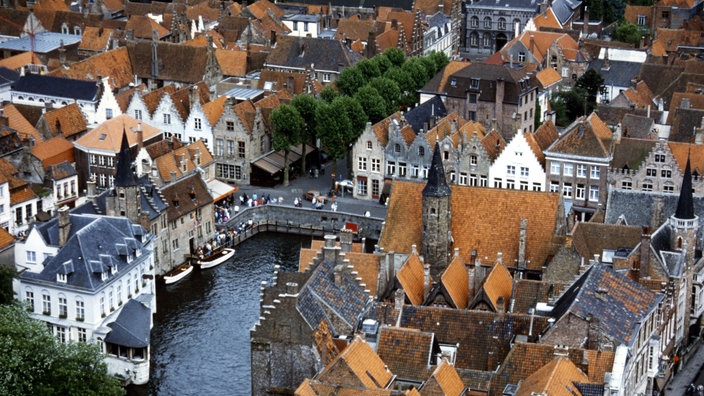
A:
{"x":348,"y":185}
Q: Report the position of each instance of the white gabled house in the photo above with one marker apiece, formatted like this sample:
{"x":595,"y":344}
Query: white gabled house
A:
{"x":107,"y":107}
{"x":90,"y":279}
{"x":521,"y":164}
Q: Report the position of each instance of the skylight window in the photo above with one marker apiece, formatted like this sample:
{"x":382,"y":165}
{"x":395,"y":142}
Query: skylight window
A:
{"x":103,"y":136}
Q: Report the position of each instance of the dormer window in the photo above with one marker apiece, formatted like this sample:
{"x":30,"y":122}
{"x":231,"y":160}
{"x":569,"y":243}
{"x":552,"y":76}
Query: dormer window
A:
{"x":113,"y":269}
{"x":61,"y":278}
{"x":474,"y":83}
{"x":103,"y":276}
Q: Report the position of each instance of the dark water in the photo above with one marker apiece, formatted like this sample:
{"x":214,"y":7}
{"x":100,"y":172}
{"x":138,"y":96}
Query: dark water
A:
{"x":200,"y":339}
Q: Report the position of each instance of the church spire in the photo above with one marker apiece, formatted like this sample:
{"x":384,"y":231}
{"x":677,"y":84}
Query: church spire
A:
{"x":124,"y":175}
{"x":685,"y":204}
{"x":437,"y":185}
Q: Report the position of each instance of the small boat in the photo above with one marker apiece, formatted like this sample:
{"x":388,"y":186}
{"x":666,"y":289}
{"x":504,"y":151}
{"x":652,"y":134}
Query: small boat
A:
{"x":216,"y":258}
{"x":178,"y":273}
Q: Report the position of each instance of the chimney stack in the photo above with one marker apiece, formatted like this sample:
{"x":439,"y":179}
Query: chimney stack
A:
{"x":64,"y":225}
{"x":522,"y":235}
{"x":426,"y":280}
{"x":140,"y":137}
{"x":346,"y":237}
{"x":644,"y":253}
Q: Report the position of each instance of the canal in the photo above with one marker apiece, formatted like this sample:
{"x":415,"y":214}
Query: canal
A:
{"x":200,"y":339}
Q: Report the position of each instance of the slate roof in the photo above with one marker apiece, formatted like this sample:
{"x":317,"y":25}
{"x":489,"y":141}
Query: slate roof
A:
{"x":301,"y":52}
{"x":437,"y":184}
{"x":403,"y":4}
{"x":564,"y":9}
{"x":420,"y":115}
{"x":555,"y":378}
{"x":60,"y":171}
{"x":475,"y":213}
{"x":407,"y":352}
{"x":124,"y":176}
{"x":8,"y":76}
{"x":685,"y":203}
{"x":321,"y":297}
{"x":132,"y":326}
{"x":527,"y":293}
{"x":636,"y":126}
{"x":618,"y":302}
{"x":612,"y":115}
{"x":56,"y":86}
{"x":619,"y":73}
{"x":95,"y":243}
{"x":638,"y":207}
{"x":589,"y":238}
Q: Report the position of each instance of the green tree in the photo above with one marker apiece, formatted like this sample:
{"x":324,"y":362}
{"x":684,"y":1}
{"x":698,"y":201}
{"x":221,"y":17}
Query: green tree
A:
{"x":306,"y":106}
{"x":32,"y":362}
{"x":382,"y":62}
{"x":592,"y":82}
{"x":372,"y":103}
{"x":395,"y":56}
{"x":355,"y":113}
{"x":575,"y":105}
{"x":406,"y":85}
{"x":415,"y":69}
{"x":389,"y":90}
{"x":351,"y":79}
{"x":439,"y":59}
{"x":333,"y":127}
{"x":6,"y":275}
{"x":369,"y":70}
{"x":286,"y":131}
{"x":628,"y":33}
{"x":328,"y":94}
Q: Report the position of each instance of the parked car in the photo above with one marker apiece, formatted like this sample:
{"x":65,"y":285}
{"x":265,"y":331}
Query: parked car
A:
{"x":311,"y":195}
{"x":347,"y":185}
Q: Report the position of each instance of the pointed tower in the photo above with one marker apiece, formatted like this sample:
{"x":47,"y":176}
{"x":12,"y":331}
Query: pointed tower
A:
{"x":437,"y":218}
{"x":684,"y":223}
{"x":124,"y":199}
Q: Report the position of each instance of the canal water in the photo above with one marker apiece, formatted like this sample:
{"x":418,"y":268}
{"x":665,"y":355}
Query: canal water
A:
{"x":200,"y":339}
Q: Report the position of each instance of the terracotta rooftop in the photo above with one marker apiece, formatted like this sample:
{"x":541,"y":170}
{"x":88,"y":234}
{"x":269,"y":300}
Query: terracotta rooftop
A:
{"x":17,"y":61}
{"x":171,"y":162}
{"x":54,"y":151}
{"x":555,"y":378}
{"x":357,"y":365}
{"x":95,"y":39}
{"x":547,"y":20}
{"x":115,"y":63}
{"x":67,"y":121}
{"x":411,"y":276}
{"x":548,"y":76}
{"x":475,"y":213}
{"x":444,"y":381}
{"x":6,"y":240}
{"x":108,"y":135}
{"x":496,"y":289}
{"x":587,"y":136}
{"x":456,"y":280}
{"x":232,"y":62}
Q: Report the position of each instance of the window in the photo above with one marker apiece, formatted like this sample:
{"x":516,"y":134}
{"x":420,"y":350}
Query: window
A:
{"x":415,"y":171}
{"x":230,"y":125}
{"x":510,"y":170}
{"x":474,"y":22}
{"x":82,"y":337}
{"x":510,"y":184}
{"x":369,"y":145}
{"x":581,"y":170}
{"x":375,"y":188}
{"x":627,"y":185}
{"x":138,"y":114}
{"x":554,"y":168}
{"x":473,"y":39}
{"x":167,"y":119}
{"x":29,"y":300}
{"x":521,"y":56}
{"x":362,"y":187}
{"x":647,"y":186}
{"x":502,"y":24}
{"x":524,"y":185}
{"x":219,"y":147}
{"x":579,"y":192}
{"x":80,"y":310}
{"x":487,"y":23}
{"x":659,"y":157}
{"x":421,"y":151}
{"x":402,"y":169}
{"x":397,"y":148}
{"x":326,"y":77}
{"x":565,"y":72}
{"x":473,"y":160}
{"x":482,"y":181}
{"x":262,"y":143}
{"x":666,"y":14}
{"x":651,"y":172}
{"x":463,"y":179}
{"x":240,"y":149}
{"x":390,"y":168}
{"x":108,"y":113}
{"x":524,"y":171}
{"x":63,"y":307}
{"x":174,"y":244}
{"x":498,"y":183}
{"x":473,"y":98}
{"x":567,"y":169}
{"x":641,"y":20}
{"x":668,"y":188}
{"x":593,"y":193}
{"x":487,"y":40}
{"x":111,"y":299}
{"x":567,"y":190}
{"x":595,"y":172}
{"x":474,"y":83}
{"x":61,"y":334}
{"x":666,"y":173}
{"x":362,"y":163}
{"x":46,"y":303}
{"x":536,"y":187}
{"x":31,"y":256}
{"x":376,"y":165}
{"x":197,"y":124}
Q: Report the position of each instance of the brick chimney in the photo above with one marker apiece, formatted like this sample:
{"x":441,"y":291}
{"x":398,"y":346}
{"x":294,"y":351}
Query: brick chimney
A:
{"x":346,"y":240}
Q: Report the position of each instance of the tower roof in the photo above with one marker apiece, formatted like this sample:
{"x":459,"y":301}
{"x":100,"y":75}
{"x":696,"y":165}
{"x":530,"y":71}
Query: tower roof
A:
{"x":685,"y":204}
{"x":124,"y":176}
{"x":437,"y":185}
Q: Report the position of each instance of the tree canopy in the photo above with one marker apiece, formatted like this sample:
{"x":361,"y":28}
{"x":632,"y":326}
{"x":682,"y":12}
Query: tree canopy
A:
{"x":628,"y":33}
{"x":287,"y":130}
{"x":33,"y":362}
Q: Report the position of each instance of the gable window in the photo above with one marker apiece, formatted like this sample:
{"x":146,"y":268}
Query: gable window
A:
{"x":397,"y":148}
{"x":510,"y":170}
{"x":230,"y":148}
{"x":647,"y":185}
{"x":219,"y":147}
{"x":138,"y":114}
{"x":565,"y":72}
{"x":641,"y":20}
{"x":369,"y":144}
{"x":108,"y":113}
{"x":31,"y":256}
{"x":167,"y":119}
{"x":668,"y":188}
{"x":524,"y":171}
{"x":473,"y":160}
{"x":421,"y":151}
{"x":659,"y":157}
{"x":197,"y":124}
{"x":627,"y":185}
{"x":521,"y":56}
{"x":651,"y":172}
{"x":376,"y":165}
{"x":666,"y":173}
{"x":230,"y":125}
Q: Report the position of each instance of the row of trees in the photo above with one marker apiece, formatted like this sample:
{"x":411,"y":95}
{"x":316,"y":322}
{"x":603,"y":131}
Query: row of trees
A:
{"x":371,"y":90}
{"x":33,"y":362}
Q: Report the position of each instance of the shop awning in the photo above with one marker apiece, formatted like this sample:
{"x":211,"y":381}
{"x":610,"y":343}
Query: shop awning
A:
{"x":273,"y":161}
{"x":219,"y":190}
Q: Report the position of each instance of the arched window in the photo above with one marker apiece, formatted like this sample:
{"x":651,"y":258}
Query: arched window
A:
{"x":474,"y":22}
{"x":502,"y":24}
{"x":487,"y":40}
{"x":421,"y":151}
{"x":77,"y":30}
{"x":473,"y":39}
{"x":64,"y":28}
{"x":487,"y":23}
